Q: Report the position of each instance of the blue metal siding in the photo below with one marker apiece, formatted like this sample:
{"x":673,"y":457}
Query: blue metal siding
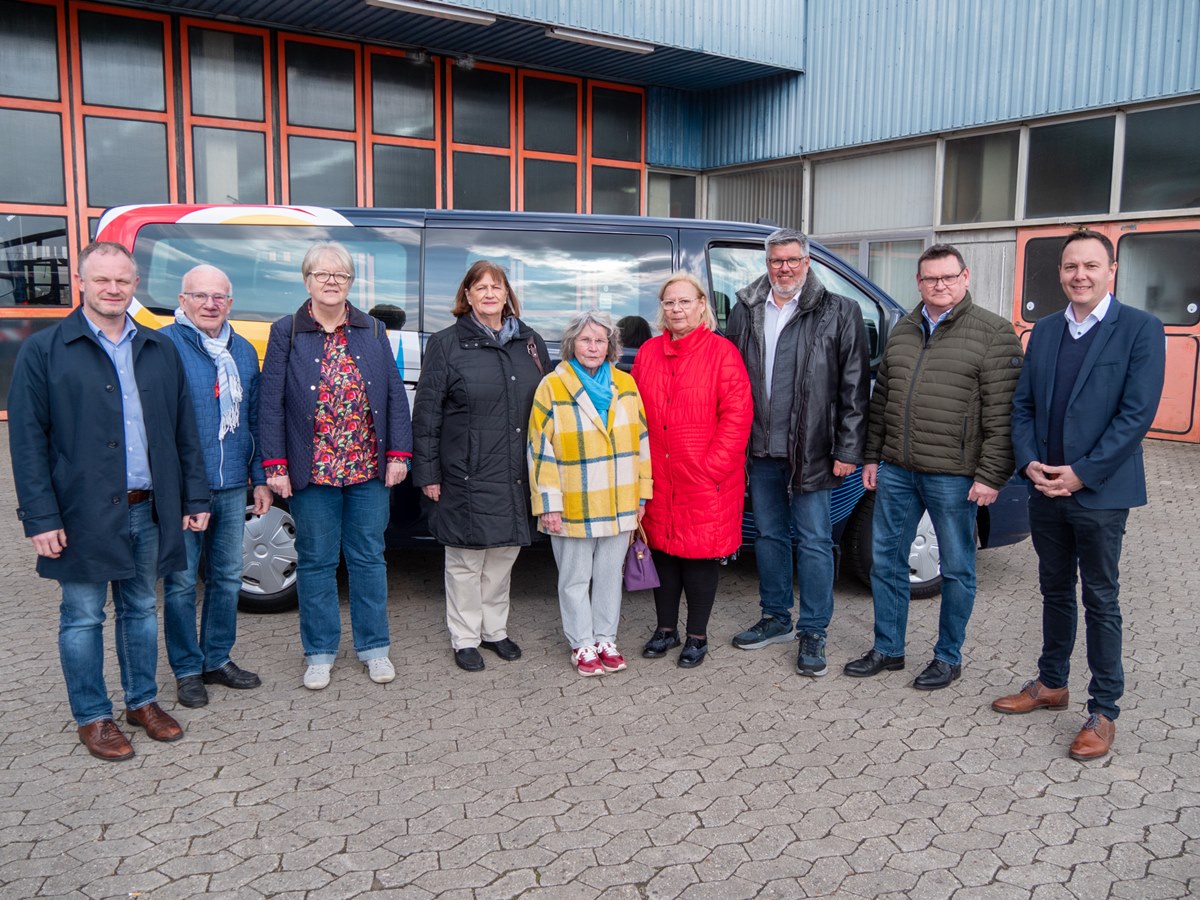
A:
{"x":674,"y":128}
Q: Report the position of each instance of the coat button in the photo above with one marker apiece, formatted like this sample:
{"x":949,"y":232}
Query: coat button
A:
{"x":112,"y":445}
{"x":312,"y":387}
{"x":109,"y":388}
{"x":116,"y":501}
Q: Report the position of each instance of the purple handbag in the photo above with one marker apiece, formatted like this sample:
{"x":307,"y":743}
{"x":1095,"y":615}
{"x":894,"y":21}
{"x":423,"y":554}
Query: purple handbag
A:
{"x":640,"y":574}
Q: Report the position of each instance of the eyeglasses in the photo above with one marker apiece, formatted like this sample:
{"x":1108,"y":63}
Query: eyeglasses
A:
{"x":339,"y":278}
{"x":792,"y":262}
{"x":202,"y":297}
{"x":947,"y":280}
{"x":678,"y":304}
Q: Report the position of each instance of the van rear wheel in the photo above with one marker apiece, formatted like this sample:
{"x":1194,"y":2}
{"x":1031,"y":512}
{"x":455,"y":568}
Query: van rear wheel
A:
{"x":924,"y":557}
{"x":268,"y":561}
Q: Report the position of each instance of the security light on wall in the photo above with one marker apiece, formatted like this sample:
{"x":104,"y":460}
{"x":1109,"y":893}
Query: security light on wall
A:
{"x":597,"y":40}
{"x":437,"y":10}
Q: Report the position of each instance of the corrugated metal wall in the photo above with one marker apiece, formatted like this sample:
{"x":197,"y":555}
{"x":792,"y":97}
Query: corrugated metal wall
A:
{"x":772,"y":192}
{"x":674,"y":128}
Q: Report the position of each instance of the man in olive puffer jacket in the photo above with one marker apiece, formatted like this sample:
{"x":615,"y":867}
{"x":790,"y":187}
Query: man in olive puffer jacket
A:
{"x":940,"y":425}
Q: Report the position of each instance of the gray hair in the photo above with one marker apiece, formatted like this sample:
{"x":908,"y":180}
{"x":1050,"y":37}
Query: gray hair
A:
{"x":787,"y":236}
{"x":327,"y":248}
{"x":205,"y":269}
{"x":582,"y":320}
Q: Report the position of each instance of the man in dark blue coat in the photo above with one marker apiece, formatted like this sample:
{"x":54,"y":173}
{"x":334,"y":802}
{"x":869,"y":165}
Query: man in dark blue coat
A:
{"x":108,"y":473}
{"x":1086,"y":398}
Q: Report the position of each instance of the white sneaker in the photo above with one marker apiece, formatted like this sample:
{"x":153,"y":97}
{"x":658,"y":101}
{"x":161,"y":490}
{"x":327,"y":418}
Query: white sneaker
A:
{"x":317,"y":677}
{"x":381,"y":670}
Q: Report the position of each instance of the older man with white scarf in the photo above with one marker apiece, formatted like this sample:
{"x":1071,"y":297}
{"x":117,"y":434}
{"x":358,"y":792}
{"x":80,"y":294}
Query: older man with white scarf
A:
{"x":222,"y":374}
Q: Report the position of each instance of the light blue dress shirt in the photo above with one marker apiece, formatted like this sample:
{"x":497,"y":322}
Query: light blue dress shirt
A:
{"x":137,"y":457}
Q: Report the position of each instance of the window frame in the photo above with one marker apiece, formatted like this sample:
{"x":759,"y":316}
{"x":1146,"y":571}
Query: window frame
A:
{"x":374,"y":139}
{"x":603,"y":161}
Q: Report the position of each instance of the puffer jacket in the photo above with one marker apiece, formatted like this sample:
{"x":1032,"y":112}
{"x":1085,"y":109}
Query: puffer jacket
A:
{"x":470,"y":430}
{"x":828,"y":419}
{"x":698,"y":413}
{"x":944,"y":404}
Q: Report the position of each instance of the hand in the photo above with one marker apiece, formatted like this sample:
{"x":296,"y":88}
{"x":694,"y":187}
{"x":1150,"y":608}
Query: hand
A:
{"x":551,"y":522}
{"x":870,"y":476}
{"x":281,"y":485}
{"x":262,"y":499}
{"x":396,"y":471}
{"x":1061,"y":481}
{"x":982,"y":495}
{"x":842,"y":469}
{"x":50,"y":544}
{"x":433,"y":492}
{"x":195,"y":522}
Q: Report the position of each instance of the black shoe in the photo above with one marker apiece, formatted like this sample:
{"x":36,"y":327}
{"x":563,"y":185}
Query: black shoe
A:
{"x":659,"y":643}
{"x":232,"y":677}
{"x":936,"y":676}
{"x":190,"y":691}
{"x":693,"y":652}
{"x":873,"y":663}
{"x":468,"y":658}
{"x":503,"y":648}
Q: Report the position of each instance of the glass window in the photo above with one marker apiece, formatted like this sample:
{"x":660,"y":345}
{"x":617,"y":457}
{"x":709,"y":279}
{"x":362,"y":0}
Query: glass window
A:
{"x":231,"y":166}
{"x":893,"y":266}
{"x":31,"y":157}
{"x":847,"y":251}
{"x":126,"y":161}
{"x":1158,"y":273}
{"x":616,"y":191}
{"x":1162,"y":168}
{"x":551,"y":186}
{"x":227,"y":74}
{"x":122,"y":60}
{"x":34,"y":262}
{"x":1070,"y":168}
{"x":320,"y":86}
{"x":481,"y":181}
{"x":671,"y":195}
{"x":402,"y":97}
{"x":1041,"y":292}
{"x":554,"y":273}
{"x":481,"y":111}
{"x":29,"y":48}
{"x":551,"y":115}
{"x":23,"y":329}
{"x":980,"y":183}
{"x":321,"y":172}
{"x":617,"y":124}
{"x":405,"y":177}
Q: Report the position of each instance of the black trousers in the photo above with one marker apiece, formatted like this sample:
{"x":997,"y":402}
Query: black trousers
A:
{"x":695,"y":577}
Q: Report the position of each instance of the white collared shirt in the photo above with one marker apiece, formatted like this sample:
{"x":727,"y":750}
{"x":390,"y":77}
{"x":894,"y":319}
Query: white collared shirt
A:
{"x":773,"y":323}
{"x":1079,"y":329}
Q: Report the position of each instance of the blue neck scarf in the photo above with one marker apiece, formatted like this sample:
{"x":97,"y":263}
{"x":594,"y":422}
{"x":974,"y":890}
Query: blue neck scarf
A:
{"x":598,"y":386}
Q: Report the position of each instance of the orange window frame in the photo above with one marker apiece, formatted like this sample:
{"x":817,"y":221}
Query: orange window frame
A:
{"x":593,"y":160}
{"x":393,"y":140}
{"x":453,"y":146}
{"x":522,"y":154}
{"x":286,"y":130}
{"x":191,"y":120}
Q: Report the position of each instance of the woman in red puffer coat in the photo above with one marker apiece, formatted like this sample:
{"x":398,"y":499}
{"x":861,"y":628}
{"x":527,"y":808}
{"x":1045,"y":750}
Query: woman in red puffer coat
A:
{"x":698,"y":412}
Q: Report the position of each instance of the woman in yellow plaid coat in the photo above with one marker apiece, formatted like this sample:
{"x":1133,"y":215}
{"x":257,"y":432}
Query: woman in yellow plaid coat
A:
{"x":589,"y":471}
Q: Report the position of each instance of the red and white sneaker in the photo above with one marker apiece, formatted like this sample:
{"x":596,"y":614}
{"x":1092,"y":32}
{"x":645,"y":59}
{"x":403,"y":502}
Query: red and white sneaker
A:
{"x":586,"y":662}
{"x":609,"y":657}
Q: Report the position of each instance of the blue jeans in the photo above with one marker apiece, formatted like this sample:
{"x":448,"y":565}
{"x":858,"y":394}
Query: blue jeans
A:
{"x":81,"y":629}
{"x":1070,"y":538}
{"x":802,"y":522}
{"x":221,"y":542}
{"x":351,"y":520}
{"x":901,"y":499}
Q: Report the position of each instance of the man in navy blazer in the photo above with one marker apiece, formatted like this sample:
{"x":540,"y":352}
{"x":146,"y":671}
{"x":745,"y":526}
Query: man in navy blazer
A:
{"x":1086,"y":398}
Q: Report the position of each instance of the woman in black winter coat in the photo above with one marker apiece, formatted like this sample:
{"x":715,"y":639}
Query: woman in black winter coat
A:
{"x":470,"y":420}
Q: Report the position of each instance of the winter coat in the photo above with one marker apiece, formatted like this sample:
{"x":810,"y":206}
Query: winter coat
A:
{"x":698,"y":413}
{"x":828,"y":418}
{"x":288,"y":396}
{"x":470,"y":430}
{"x":595,"y":473}
{"x":67,"y":436}
{"x":943,"y":404}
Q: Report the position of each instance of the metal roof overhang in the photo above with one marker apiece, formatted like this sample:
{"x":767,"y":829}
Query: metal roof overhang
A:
{"x":506,"y":41}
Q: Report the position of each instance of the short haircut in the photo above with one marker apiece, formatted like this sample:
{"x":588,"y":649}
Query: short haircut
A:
{"x":787,"y":236}
{"x":475,"y":273}
{"x":327,"y":248}
{"x":1086,"y":234}
{"x":660,"y":320}
{"x":104,"y":248}
{"x":582,"y":320}
{"x":205,"y":268}
{"x":940,"y":251}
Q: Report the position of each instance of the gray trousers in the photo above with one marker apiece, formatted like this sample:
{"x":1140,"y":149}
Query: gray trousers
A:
{"x":590,"y":618}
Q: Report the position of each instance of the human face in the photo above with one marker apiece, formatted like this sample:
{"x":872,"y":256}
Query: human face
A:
{"x":591,"y":347}
{"x":1086,"y":275}
{"x":106,"y":282}
{"x":205,"y":299}
{"x":953,"y":281}
{"x":683,"y":309}
{"x":786,"y":277}
{"x":487,"y":298}
{"x":330,"y":295}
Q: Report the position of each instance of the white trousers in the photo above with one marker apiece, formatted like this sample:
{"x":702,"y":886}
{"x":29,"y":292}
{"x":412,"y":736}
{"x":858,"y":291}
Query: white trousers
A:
{"x":590,"y":617}
{"x":477,"y":583}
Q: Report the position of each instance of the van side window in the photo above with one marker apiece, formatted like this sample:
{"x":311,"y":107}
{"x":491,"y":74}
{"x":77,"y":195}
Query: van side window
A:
{"x":554,"y":273}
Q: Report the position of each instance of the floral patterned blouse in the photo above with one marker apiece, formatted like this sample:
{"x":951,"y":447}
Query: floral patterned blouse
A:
{"x":345,"y":446}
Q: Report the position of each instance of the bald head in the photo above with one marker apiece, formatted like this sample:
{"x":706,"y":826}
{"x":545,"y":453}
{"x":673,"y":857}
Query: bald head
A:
{"x":206,"y":297}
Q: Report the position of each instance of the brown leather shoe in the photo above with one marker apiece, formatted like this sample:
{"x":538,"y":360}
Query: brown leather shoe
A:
{"x":1034,"y":695}
{"x":158,"y":725}
{"x":1095,"y":738}
{"x":104,"y":740}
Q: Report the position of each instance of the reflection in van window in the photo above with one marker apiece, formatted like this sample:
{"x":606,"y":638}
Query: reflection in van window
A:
{"x":263,"y":263}
{"x":555,"y":273}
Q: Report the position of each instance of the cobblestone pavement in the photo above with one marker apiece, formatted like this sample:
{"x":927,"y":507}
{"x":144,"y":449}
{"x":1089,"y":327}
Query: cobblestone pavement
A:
{"x":736,"y":779}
